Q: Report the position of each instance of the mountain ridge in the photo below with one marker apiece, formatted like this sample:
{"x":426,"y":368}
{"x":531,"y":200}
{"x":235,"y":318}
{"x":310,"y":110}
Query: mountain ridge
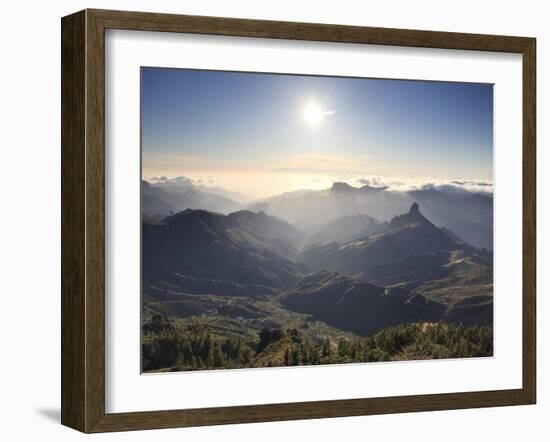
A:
{"x":468,"y":214}
{"x":410,"y":252}
{"x":358,"y":306}
{"x":168,"y":200}
{"x":207,"y":245}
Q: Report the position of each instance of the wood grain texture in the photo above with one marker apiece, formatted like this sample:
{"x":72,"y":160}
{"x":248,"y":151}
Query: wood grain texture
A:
{"x":529,"y":221}
{"x":83,"y":220}
{"x":73,"y":256}
{"x":95,"y":222}
{"x":308,"y":410}
{"x":144,"y":21}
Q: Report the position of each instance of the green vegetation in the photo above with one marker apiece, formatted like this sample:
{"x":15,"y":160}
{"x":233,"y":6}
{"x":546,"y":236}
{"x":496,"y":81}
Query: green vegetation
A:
{"x":170,"y":347}
{"x":192,"y":348}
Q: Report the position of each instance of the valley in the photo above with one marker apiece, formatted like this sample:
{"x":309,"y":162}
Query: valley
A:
{"x":246,"y":288}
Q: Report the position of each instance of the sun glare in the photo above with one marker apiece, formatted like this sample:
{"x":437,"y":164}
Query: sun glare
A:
{"x":313,"y":114}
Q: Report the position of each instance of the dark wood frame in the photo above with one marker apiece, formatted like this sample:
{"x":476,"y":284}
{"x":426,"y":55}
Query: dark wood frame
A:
{"x":83,"y":217}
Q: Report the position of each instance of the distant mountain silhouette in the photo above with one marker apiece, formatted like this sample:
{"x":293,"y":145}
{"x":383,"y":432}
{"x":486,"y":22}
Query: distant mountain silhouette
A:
{"x":347,"y":228}
{"x":153,"y":202}
{"x":306,"y":209}
{"x":469,"y":215}
{"x":166,"y":200}
{"x":345,"y":187}
{"x":342,"y":187}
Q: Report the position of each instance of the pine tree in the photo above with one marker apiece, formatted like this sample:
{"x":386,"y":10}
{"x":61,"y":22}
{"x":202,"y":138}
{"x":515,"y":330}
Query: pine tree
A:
{"x":287,"y":360}
{"x":219,"y":358}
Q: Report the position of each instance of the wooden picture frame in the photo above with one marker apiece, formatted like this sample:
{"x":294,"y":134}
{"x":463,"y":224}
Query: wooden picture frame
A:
{"x":83,"y":220}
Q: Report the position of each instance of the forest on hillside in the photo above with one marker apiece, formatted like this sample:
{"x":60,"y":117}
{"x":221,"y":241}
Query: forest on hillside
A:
{"x":167,"y":347}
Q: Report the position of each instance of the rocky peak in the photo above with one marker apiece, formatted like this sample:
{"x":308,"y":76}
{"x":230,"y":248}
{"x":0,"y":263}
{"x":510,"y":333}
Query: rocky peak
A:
{"x":413,"y":216}
{"x":342,"y":187}
{"x":415,"y":209}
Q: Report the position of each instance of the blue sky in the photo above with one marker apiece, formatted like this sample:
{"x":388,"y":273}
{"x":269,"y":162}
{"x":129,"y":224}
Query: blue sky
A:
{"x":236,"y":129}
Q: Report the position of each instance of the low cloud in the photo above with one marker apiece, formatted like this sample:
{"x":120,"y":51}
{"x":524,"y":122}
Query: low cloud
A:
{"x":415,"y":183}
{"x":375,"y":182}
{"x":453,"y":187}
{"x":178,"y":180}
{"x":472,"y":183}
{"x":458,"y":186}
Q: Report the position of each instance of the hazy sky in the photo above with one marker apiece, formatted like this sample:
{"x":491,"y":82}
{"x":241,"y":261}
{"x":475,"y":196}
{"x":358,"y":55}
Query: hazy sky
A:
{"x":263,"y":134}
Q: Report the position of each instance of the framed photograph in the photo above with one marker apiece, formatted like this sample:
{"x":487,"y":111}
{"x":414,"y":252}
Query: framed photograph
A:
{"x":267,"y":221}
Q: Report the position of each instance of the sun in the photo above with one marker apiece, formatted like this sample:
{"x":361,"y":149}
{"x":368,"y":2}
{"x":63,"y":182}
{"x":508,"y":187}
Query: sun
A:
{"x":314,"y":114}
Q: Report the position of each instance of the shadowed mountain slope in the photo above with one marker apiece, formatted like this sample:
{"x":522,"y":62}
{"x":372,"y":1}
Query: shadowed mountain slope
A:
{"x":362,"y":308}
{"x":358,"y":306}
{"x":196,"y":248}
{"x":417,"y":256}
{"x":410,"y":240}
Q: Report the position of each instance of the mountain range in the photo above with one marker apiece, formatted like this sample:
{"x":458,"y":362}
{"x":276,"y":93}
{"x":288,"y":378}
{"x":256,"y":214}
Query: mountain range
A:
{"x":163,"y":199}
{"x":468,"y":214}
{"x":345,"y":229}
{"x":358,"y":306}
{"x":408,"y":246}
{"x":250,"y":270}
{"x":241,"y":248}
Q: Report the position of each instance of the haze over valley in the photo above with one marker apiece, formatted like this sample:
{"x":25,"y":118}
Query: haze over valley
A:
{"x":304,"y":220}
{"x":312,"y":269}
{"x":466,"y":213}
